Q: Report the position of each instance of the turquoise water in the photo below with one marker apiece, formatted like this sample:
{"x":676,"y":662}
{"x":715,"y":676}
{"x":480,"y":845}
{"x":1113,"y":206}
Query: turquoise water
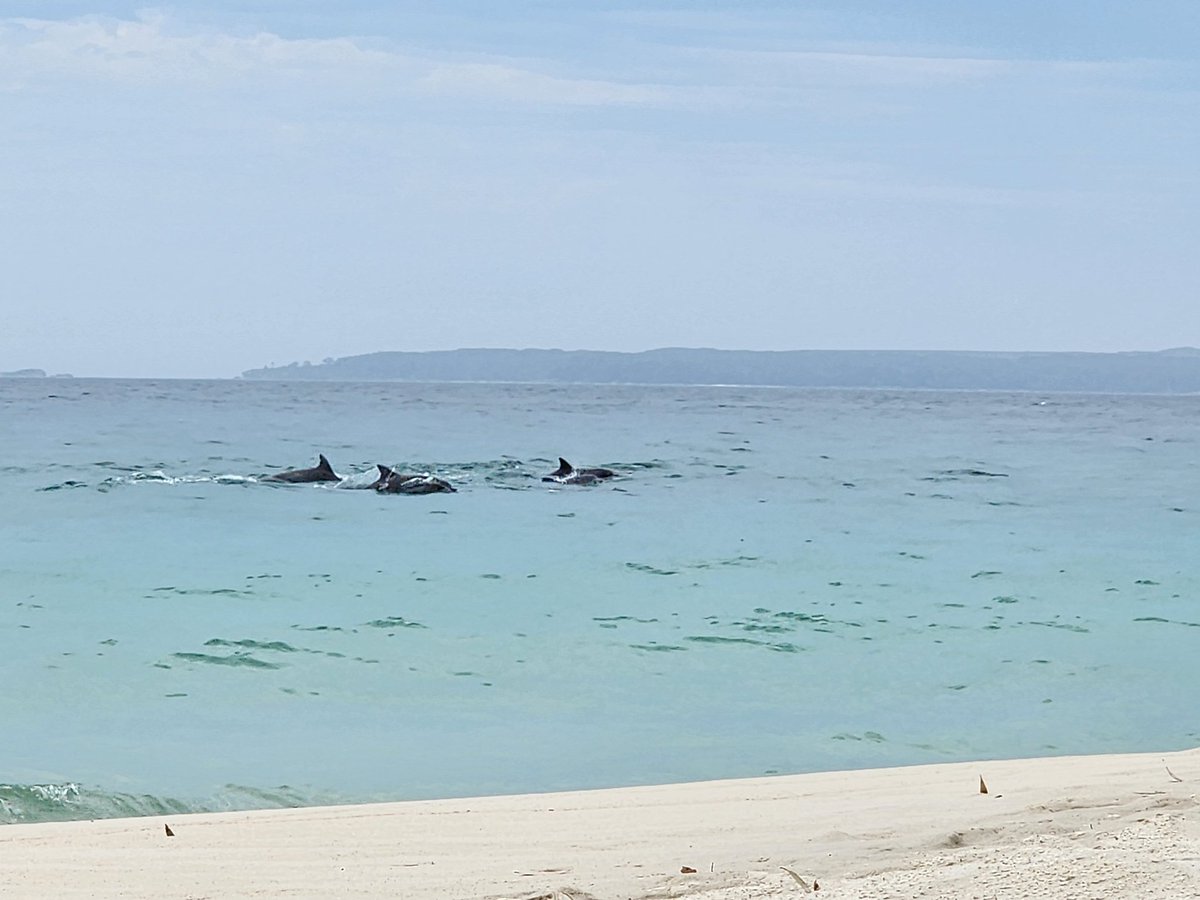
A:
{"x":779,"y":581}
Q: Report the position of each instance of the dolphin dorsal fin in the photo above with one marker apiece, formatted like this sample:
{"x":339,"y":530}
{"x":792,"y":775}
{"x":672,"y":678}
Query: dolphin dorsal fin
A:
{"x":384,"y":471}
{"x":323,"y":463}
{"x":564,"y":467}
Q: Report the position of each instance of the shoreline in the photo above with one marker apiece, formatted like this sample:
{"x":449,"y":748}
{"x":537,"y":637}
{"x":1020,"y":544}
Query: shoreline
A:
{"x":1084,"y":826}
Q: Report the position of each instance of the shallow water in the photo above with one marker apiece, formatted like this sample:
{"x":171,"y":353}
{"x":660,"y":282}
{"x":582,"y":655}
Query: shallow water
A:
{"x":778,"y":581}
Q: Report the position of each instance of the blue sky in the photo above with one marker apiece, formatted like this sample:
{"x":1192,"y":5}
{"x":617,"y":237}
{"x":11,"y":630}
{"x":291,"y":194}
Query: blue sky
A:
{"x":194,"y":189}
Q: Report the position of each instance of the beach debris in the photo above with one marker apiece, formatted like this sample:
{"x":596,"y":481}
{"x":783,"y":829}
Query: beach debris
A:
{"x":1174,"y":777}
{"x":686,"y":870}
{"x":982,"y":785}
{"x":800,"y":881}
{"x":167,"y":829}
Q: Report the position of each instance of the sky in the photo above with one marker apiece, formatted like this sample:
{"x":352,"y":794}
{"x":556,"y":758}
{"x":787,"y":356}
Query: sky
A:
{"x":200,"y":188}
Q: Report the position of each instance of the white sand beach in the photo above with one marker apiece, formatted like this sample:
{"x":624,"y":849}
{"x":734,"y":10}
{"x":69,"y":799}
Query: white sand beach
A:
{"x":1070,"y":827}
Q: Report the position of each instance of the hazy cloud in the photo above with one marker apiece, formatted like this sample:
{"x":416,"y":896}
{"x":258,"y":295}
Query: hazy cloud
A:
{"x":152,"y":48}
{"x":513,"y":84}
{"x":156,"y":48}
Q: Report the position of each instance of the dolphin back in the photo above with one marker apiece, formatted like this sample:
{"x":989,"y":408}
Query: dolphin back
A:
{"x":322,"y":471}
{"x":568,"y":474}
{"x":402,"y":483}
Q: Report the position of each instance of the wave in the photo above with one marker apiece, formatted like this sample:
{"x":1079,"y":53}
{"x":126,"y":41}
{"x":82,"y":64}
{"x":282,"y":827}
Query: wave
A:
{"x":70,"y":802}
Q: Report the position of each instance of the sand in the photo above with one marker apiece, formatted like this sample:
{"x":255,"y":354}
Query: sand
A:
{"x":1070,"y":827}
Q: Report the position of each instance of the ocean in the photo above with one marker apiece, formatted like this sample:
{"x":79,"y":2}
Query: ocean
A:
{"x":777,"y":581}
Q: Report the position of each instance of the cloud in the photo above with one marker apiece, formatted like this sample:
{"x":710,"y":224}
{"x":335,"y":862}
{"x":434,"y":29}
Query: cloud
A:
{"x":154,"y":50}
{"x":149,"y":49}
{"x":495,"y":81}
{"x":862,"y":67}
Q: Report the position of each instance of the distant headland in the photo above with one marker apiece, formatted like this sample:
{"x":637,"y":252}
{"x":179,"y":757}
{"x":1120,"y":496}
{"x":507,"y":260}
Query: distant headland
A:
{"x":1175,"y":371}
{"x":24,"y":373}
{"x":30,"y":373}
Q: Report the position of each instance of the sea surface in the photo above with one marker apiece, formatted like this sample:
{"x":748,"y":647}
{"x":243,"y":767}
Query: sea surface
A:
{"x":778,"y":581}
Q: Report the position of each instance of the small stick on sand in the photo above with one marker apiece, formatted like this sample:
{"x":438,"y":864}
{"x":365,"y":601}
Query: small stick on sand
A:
{"x":1174,"y":777}
{"x":800,"y":881}
{"x":982,"y":785}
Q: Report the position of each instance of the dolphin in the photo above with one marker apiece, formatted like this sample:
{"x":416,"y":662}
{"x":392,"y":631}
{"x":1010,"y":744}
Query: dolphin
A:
{"x":568,"y":474}
{"x":393,"y":482}
{"x":384,"y":472}
{"x":322,"y":471}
